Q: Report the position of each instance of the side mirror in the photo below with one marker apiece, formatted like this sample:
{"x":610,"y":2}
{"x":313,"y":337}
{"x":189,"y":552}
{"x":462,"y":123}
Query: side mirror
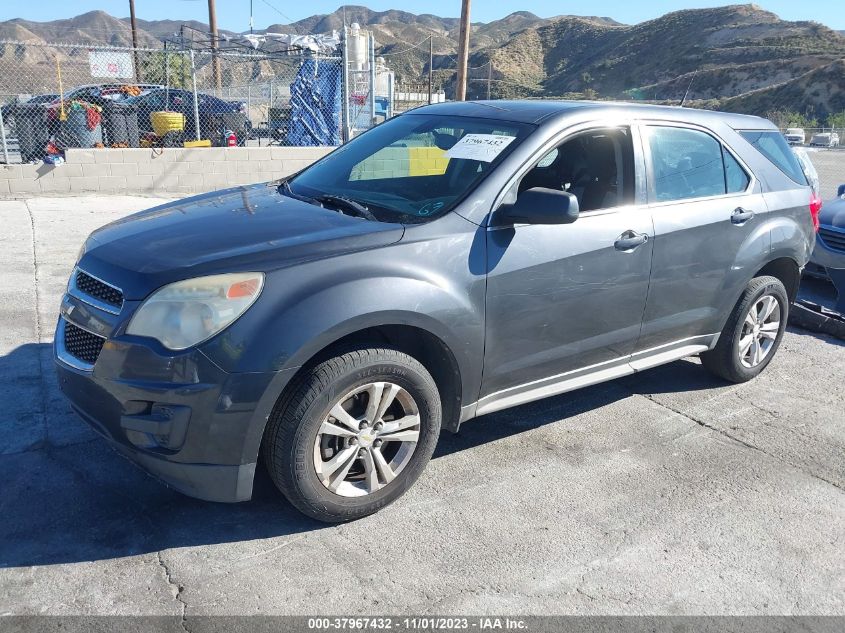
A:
{"x":841,"y":191}
{"x":539,"y":205}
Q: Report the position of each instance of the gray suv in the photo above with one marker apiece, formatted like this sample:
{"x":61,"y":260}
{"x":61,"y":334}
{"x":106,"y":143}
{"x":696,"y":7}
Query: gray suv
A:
{"x":454,"y":261}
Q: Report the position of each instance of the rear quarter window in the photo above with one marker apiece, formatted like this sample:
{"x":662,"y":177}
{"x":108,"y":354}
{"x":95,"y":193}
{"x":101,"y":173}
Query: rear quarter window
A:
{"x":773,"y":146}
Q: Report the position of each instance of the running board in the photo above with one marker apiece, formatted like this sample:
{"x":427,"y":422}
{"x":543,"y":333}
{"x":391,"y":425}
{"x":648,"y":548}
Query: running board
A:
{"x":503,"y":400}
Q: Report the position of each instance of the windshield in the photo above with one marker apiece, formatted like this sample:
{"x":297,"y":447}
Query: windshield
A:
{"x":414,"y":167}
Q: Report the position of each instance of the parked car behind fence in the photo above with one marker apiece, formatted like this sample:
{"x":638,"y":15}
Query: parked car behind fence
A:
{"x":214,"y":114}
{"x":825,"y":139}
{"x":795,"y":136}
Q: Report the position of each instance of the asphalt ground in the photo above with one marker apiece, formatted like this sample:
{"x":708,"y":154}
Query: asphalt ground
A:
{"x":667,"y":492}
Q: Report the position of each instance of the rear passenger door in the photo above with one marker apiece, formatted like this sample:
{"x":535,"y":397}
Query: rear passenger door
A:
{"x":705,"y":205}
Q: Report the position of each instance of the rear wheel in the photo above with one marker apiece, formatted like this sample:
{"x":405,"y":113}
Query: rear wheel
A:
{"x":753,"y":332}
{"x":353,"y":434}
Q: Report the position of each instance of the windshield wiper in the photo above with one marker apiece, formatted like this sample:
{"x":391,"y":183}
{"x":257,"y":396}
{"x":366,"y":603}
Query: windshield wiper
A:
{"x":348,"y":204}
{"x":289,"y":192}
{"x":345,"y":205}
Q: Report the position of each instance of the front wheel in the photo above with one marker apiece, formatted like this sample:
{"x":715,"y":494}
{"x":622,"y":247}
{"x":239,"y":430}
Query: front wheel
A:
{"x":353,"y":434}
{"x":753,"y":332}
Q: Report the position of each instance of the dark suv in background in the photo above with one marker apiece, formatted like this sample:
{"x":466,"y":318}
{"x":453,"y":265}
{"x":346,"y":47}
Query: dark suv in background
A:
{"x":454,"y":261}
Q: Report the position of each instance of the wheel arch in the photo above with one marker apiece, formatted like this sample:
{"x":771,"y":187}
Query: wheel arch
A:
{"x":784,"y":268}
{"x":787,"y":271}
{"x":416,"y":341}
{"x":427,"y":346}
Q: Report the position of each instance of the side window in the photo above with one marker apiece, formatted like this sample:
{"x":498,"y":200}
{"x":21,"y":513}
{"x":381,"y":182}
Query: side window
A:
{"x":686,"y":164}
{"x":772,"y":145}
{"x":597,"y":167}
{"x":736,"y":180}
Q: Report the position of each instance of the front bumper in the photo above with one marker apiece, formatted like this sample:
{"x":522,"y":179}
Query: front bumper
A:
{"x":824,"y":256}
{"x":829,"y":263}
{"x":176,"y":414}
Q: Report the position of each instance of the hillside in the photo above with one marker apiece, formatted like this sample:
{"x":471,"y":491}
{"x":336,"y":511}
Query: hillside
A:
{"x":94,"y":27}
{"x":394,"y":26}
{"x":820,"y":90}
{"x":715,"y":53}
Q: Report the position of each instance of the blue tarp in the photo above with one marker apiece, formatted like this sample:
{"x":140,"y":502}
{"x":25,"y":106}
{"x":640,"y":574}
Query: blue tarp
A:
{"x":315,"y":104}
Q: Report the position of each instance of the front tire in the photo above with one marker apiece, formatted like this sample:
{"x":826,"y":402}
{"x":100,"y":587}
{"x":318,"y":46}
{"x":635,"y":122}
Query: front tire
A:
{"x":753,"y":333}
{"x":353,"y":434}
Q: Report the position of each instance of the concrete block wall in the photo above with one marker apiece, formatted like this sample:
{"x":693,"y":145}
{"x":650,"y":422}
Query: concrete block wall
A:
{"x":179,"y":171}
{"x":400,"y":162}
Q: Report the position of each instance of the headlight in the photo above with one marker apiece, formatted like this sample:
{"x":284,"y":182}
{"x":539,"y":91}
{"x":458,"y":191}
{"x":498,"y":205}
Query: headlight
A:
{"x":188,"y":312}
{"x":82,"y":250}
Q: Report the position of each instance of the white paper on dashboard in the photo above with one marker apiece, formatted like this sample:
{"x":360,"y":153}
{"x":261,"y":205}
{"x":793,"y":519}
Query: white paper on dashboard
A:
{"x":483,"y":147}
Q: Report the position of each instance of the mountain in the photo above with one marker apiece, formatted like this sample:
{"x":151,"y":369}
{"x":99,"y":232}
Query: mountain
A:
{"x":738,"y":56}
{"x":169,"y":29}
{"x":94,"y":27}
{"x":716,"y":54}
{"x":821,"y":90}
{"x":400,"y":27}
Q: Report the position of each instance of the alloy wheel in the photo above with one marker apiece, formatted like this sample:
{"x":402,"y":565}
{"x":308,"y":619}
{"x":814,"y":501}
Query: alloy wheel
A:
{"x":759,"y":331}
{"x":367,"y":439}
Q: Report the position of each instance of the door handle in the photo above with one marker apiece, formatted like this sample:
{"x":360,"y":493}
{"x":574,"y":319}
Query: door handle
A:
{"x":630,"y":240}
{"x":741,"y":216}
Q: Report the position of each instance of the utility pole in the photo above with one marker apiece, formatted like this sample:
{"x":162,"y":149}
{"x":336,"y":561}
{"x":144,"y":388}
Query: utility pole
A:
{"x":430,"y":64}
{"x":134,"y":25}
{"x":212,"y":25}
{"x":489,"y":77}
{"x":463,"y":52}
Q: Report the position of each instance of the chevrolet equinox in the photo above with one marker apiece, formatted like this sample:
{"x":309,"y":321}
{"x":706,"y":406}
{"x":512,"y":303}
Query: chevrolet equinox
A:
{"x":456,"y":260}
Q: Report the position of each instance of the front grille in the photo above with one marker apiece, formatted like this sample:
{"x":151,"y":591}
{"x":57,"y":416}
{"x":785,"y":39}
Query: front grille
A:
{"x":99,"y":290}
{"x":833,"y":239}
{"x":82,"y":344}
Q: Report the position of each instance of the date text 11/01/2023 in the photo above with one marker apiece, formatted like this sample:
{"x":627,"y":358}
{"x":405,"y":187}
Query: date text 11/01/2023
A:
{"x":486,"y":623}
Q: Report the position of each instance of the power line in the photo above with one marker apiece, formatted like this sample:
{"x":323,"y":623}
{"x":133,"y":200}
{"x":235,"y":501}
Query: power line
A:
{"x":276,"y":9}
{"x":410,"y":48}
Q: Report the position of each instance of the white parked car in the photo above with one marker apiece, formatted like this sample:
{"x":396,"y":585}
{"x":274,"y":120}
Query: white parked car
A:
{"x":795,"y":135}
{"x":825,"y":139}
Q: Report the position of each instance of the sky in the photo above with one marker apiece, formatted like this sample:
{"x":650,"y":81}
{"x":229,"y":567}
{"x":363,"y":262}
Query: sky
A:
{"x":234,"y":14}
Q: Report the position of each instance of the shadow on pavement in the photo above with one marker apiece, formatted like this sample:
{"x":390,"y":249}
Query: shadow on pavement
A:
{"x":83,"y":502}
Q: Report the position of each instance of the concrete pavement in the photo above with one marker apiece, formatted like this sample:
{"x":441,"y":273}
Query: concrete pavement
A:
{"x":668,"y":492}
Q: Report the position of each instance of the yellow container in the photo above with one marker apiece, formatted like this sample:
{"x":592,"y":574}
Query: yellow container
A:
{"x":164,"y":122}
{"x":203,"y":143}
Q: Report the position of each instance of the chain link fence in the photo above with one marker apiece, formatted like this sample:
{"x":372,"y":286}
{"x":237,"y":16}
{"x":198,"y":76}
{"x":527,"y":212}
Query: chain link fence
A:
{"x":827,"y":137}
{"x":58,"y":96}
{"x":420,"y":75}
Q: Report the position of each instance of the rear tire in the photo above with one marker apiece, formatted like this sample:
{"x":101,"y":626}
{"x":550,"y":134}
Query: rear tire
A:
{"x":337,"y":459}
{"x":753,"y":333}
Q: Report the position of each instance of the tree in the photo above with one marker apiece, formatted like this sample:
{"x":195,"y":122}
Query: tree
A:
{"x":836,"y":120}
{"x":789,"y":118}
{"x":167,"y":69}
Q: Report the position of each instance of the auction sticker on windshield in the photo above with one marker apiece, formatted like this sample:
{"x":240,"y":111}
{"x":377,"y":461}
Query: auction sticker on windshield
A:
{"x":483,"y":147}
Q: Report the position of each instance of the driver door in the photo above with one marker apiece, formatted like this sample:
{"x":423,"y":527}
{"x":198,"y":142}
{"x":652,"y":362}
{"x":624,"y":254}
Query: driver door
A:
{"x":565,"y":302}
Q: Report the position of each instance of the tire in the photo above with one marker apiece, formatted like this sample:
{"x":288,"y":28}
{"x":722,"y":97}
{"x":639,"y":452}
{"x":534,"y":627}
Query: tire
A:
{"x":730,"y":359}
{"x":297,"y":443}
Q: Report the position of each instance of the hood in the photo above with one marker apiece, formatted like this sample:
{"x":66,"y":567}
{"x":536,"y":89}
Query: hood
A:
{"x":833,"y":213}
{"x":251,"y":228}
